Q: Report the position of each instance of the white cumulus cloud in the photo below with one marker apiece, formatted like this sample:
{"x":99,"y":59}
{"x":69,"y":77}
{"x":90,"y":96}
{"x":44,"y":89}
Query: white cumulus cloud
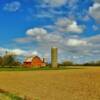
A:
{"x":18,"y":52}
{"x":12,"y":6}
{"x":68,"y":25}
{"x":76,"y":42}
{"x":95,"y":11}
{"x":55,"y":3}
{"x":59,"y":3}
{"x":73,"y":27}
{"x":36,"y":32}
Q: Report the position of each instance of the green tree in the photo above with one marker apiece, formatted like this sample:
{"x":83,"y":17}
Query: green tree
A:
{"x":67,"y":63}
{"x":8,"y":60}
{"x":1,"y":60}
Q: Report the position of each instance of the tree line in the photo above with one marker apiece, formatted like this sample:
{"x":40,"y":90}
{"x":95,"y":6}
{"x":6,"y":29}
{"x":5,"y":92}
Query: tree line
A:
{"x":71,"y":63}
{"x":9,"y":60}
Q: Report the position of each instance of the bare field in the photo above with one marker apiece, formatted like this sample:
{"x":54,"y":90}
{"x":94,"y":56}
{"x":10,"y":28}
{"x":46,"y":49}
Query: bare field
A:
{"x":71,"y":84}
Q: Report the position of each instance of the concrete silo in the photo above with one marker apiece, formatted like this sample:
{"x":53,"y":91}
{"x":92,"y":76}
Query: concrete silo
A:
{"x":54,"y":57}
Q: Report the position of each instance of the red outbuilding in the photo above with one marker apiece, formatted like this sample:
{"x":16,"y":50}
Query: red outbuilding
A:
{"x":34,"y":62}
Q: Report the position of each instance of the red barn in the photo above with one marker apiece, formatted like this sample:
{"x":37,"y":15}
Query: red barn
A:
{"x":34,"y":62}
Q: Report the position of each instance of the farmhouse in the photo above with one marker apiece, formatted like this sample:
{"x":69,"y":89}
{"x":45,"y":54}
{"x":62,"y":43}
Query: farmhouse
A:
{"x":34,"y":61}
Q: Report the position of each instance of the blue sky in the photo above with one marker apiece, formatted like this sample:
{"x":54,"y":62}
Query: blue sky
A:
{"x":29,"y":27}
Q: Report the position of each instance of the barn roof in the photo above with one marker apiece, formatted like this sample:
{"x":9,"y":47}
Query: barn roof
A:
{"x":29,"y":59}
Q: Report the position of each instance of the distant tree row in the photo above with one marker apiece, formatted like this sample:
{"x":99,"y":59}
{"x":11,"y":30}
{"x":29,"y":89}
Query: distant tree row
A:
{"x":66,"y":63}
{"x":71,"y":63}
{"x":9,"y":60}
{"x":96,"y":63}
